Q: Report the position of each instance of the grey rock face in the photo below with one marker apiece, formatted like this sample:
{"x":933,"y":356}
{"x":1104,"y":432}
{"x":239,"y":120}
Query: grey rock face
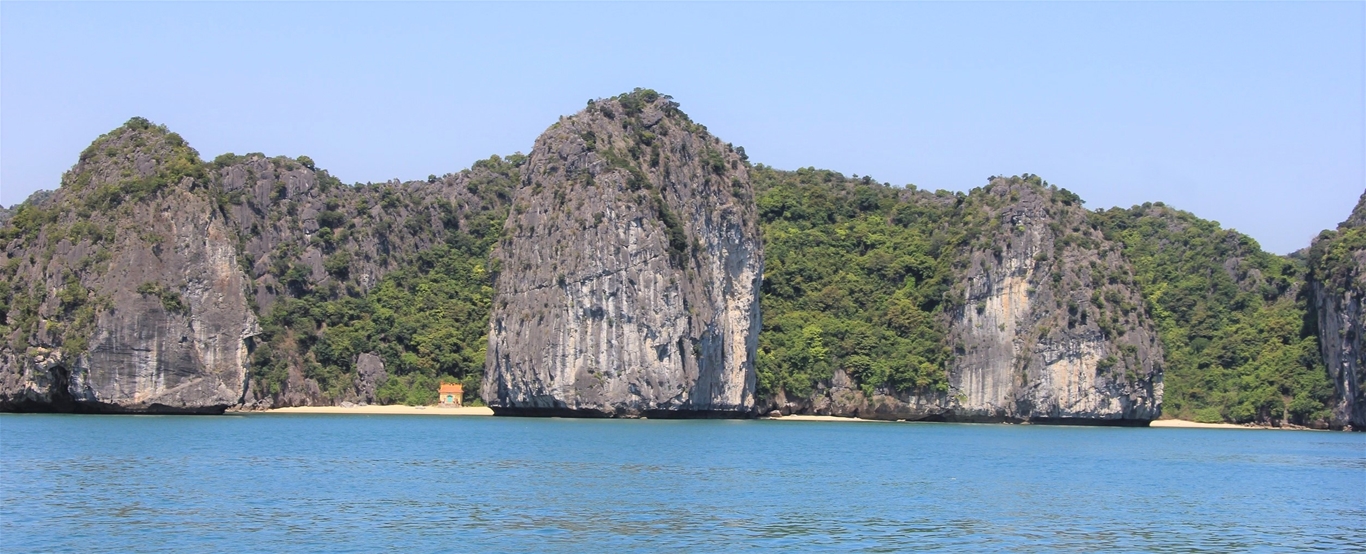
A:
{"x":146,"y":357}
{"x":1035,"y":343}
{"x":139,"y":306}
{"x":1337,"y":279}
{"x":137,"y":285}
{"x":1341,"y":322}
{"x":35,"y":380}
{"x":630,"y":271}
{"x":1031,"y":340}
{"x":286,"y":212}
{"x":370,"y":370}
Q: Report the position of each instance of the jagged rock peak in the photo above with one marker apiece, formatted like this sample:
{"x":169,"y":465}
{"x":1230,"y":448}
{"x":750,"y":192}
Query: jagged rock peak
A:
{"x":132,"y":297}
{"x":1358,"y":216}
{"x":138,"y":157}
{"x":630,"y":269}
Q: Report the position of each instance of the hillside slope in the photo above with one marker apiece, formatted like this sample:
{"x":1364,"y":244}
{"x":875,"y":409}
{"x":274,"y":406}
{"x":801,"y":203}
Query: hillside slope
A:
{"x":1239,"y":344}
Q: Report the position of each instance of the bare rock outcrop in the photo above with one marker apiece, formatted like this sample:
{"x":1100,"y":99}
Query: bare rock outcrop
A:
{"x":152,"y":281}
{"x":1044,"y":319}
{"x":370,"y":375}
{"x":1053,"y":327}
{"x":630,"y":271}
{"x":124,"y":289}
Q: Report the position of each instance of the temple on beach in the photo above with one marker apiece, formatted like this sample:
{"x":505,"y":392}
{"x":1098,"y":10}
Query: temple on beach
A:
{"x":450,"y":395}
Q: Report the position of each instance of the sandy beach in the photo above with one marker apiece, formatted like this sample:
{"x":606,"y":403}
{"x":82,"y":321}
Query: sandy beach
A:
{"x":475,"y":411}
{"x":1167,"y":423}
{"x":384,"y":410}
{"x":1183,"y":424}
{"x":797,"y":417}
{"x":484,"y":411}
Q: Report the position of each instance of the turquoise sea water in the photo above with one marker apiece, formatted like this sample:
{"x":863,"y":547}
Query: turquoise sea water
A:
{"x":439,"y":483}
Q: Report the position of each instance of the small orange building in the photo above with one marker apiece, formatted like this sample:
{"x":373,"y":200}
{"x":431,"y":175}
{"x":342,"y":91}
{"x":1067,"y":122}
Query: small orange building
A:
{"x":451,"y":395}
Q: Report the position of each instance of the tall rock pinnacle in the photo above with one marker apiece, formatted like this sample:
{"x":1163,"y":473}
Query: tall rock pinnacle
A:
{"x":630,"y":271}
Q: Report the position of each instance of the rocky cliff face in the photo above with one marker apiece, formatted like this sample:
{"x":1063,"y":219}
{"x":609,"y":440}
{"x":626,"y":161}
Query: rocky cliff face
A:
{"x":627,"y":276}
{"x":1337,"y":283}
{"x":303,"y":235}
{"x":151,"y":281}
{"x":1043,"y":318}
{"x":630,"y":268}
{"x":125,"y":293}
{"x":1052,"y":327}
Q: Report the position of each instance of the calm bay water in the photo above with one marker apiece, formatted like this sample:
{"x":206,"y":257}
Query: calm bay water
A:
{"x":368,"y":483}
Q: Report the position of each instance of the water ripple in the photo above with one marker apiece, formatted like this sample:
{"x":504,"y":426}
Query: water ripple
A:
{"x":340,"y":483}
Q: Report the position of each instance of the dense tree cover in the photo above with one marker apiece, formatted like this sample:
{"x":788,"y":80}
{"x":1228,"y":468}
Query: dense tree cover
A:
{"x":427,"y":318}
{"x":858,"y":278}
{"x":1239,"y":344}
{"x":428,"y":321}
{"x":855,"y":275}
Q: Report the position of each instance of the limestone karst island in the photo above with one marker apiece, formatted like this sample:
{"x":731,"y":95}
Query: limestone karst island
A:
{"x":634,"y":265}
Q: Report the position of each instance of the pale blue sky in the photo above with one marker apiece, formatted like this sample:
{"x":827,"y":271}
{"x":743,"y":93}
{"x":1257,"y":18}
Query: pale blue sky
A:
{"x":1250,"y":114}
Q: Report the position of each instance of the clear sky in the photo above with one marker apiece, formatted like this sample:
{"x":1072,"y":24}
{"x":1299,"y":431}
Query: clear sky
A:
{"x":1252,"y":114}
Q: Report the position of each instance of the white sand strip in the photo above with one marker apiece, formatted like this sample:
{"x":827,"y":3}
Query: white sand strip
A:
{"x":1181,"y":423}
{"x":384,"y":410}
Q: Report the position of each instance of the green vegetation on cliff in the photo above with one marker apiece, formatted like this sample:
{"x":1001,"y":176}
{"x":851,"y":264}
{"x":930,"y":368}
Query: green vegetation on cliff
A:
{"x":860,"y":276}
{"x":428,"y":321}
{"x":1333,"y":257}
{"x":1239,"y":344}
{"x":136,"y":164}
{"x":427,"y":317}
{"x":1337,"y":288}
{"x":854,"y":279}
